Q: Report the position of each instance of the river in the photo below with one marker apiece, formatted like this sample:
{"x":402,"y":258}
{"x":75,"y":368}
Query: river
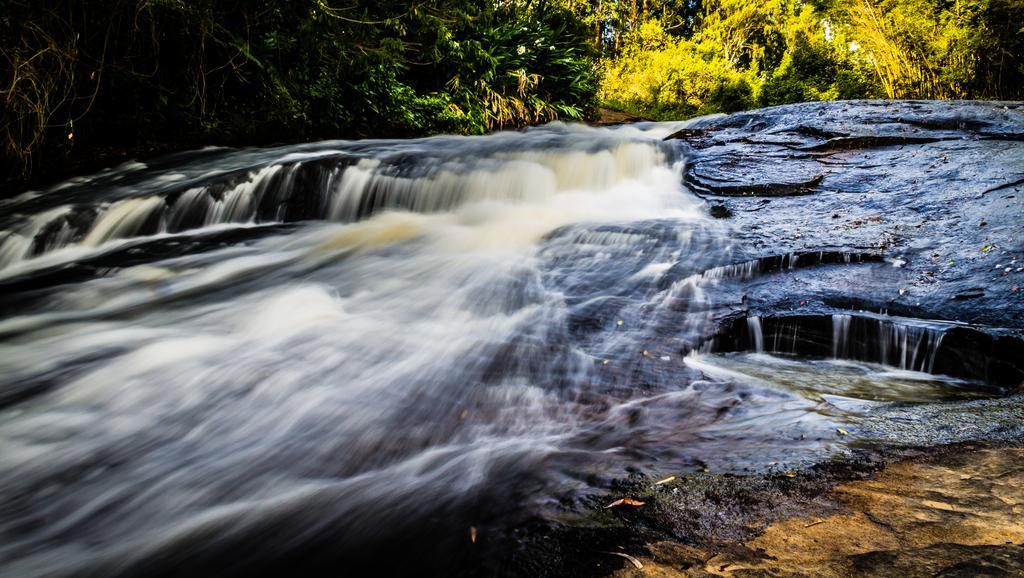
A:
{"x":233,"y":361}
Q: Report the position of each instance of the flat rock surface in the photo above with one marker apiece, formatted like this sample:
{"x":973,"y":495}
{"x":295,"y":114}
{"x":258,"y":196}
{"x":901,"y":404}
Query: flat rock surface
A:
{"x":934,"y":189}
{"x":958,"y":516}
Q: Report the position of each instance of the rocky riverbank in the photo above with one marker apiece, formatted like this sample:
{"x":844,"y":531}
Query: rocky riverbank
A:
{"x":881,"y":231}
{"x":956,"y":512}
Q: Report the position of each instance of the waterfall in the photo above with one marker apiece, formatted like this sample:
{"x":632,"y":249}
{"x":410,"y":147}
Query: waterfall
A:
{"x":353,"y":344}
{"x":756,"y":335}
{"x":933,"y":350}
{"x":905,"y":344}
{"x":352,"y":182}
{"x":425,"y":328}
{"x":16,"y":244}
{"x":840,"y":333}
{"x":908,"y":347}
{"x":122,"y":219}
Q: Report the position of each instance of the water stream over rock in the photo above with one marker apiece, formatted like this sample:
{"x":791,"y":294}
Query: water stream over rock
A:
{"x":257,"y":360}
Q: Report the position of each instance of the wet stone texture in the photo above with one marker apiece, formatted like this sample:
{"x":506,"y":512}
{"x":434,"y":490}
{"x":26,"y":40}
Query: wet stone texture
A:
{"x":896,"y":223}
{"x":892,"y":223}
{"x":954,"y":515}
{"x":934,"y":190}
{"x":906,"y":209}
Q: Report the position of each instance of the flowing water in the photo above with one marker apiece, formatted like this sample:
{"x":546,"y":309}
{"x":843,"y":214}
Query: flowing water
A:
{"x":829,"y":379}
{"x":228,"y":358}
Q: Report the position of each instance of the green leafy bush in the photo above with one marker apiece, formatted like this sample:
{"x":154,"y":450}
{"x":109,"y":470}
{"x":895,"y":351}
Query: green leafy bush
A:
{"x":659,"y":76}
{"x":814,"y":70}
{"x":674,"y":60}
{"x":93,"y":73}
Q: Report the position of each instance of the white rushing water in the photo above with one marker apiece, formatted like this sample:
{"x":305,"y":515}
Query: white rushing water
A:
{"x":354,"y":180}
{"x":407,"y":334}
{"x":221,"y":360}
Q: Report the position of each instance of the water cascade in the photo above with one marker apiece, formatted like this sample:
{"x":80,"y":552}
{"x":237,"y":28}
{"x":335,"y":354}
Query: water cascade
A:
{"x":756,"y":334}
{"x":902,"y":343}
{"x":337,"y":184}
{"x":372,"y":333}
{"x":245,"y":361}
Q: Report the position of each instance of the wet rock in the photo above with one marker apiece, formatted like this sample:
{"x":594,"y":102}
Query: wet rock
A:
{"x":955,"y":514}
{"x":856,"y":219}
{"x":905,"y":182}
{"x":973,"y":293}
{"x":859,"y":219}
{"x":756,"y":171}
{"x":720,"y":211}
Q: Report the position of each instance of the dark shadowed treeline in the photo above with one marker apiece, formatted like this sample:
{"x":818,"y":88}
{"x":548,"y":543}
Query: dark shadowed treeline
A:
{"x":80,"y":76}
{"x":83,"y":74}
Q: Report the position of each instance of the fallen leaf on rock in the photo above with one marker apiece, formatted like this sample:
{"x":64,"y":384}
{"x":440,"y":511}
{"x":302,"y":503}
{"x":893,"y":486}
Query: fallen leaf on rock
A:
{"x":842,"y":432}
{"x":625,"y":502}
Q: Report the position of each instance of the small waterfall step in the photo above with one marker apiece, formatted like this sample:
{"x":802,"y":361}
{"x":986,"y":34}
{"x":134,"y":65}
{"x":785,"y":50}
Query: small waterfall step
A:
{"x":929,"y":346}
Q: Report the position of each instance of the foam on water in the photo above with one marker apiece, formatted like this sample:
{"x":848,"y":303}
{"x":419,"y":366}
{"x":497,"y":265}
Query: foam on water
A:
{"x":343,"y":182}
{"x":402,"y":341}
{"x":820,"y":379}
{"x":448,"y":332}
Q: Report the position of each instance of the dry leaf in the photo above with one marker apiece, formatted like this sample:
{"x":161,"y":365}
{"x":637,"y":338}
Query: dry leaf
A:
{"x":625,"y":502}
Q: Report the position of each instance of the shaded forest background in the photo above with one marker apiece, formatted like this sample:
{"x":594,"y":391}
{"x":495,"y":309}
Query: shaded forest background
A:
{"x":79,"y":78}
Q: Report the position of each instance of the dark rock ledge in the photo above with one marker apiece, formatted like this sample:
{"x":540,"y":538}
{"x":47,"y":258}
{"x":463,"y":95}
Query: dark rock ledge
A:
{"x":933,"y":191}
{"x":889,"y":214}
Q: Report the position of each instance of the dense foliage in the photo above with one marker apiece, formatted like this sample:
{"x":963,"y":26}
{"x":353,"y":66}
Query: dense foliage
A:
{"x":667,"y":59}
{"x":87,"y":73}
{"x":82,"y":74}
